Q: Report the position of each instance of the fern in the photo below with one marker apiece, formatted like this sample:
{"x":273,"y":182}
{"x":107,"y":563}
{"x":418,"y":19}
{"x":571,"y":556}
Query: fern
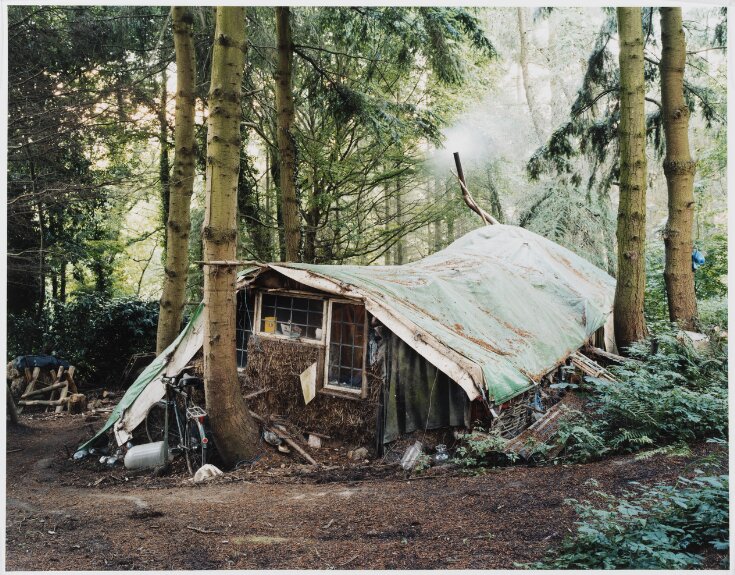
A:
{"x":674,"y":394}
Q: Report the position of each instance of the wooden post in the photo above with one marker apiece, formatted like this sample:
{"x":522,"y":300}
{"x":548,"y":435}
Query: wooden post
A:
{"x":70,"y":379}
{"x":467,"y":197}
{"x":64,"y":393}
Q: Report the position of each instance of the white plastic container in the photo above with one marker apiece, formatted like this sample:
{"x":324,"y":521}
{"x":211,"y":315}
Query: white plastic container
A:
{"x":411,"y":456}
{"x":148,"y":455}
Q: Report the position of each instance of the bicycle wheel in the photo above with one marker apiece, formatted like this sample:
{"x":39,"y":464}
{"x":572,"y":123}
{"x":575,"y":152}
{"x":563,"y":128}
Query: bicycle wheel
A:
{"x":155,"y":421}
{"x":196,"y":448}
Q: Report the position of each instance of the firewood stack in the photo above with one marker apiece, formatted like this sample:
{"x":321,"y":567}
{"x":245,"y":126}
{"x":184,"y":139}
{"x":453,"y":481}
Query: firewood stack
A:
{"x":57,"y":395}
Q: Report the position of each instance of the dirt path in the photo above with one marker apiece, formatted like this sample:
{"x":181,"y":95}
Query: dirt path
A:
{"x":57,"y":518}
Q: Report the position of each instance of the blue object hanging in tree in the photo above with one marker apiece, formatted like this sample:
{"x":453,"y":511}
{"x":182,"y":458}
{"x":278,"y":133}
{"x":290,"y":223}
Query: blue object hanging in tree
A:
{"x":697,"y":259}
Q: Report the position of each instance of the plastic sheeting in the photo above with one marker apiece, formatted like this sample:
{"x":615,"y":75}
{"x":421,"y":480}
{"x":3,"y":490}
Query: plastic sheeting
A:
{"x":152,"y":374}
{"x":501,"y":306}
{"x":417,"y":395}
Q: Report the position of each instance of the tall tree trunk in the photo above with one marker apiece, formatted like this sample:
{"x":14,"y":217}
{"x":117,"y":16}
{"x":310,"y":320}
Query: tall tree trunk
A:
{"x":437,"y":224}
{"x":249,"y":206}
{"x":386,"y":206}
{"x":679,"y":169}
{"x":450,"y":215}
{"x":286,"y":145}
{"x":268,"y":205}
{"x":399,"y":255}
{"x":163,"y":159}
{"x":313,"y":216}
{"x":235,"y":432}
{"x":630,"y":324}
{"x":178,"y":223}
{"x":536,"y":117}
{"x":62,"y":281}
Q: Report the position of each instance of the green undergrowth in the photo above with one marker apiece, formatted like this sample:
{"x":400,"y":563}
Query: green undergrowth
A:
{"x":659,"y":527}
{"x":667,"y":393}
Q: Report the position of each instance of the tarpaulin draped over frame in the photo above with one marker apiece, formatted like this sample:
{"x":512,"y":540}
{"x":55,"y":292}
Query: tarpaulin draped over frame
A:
{"x":499,"y":307}
{"x":149,"y":382}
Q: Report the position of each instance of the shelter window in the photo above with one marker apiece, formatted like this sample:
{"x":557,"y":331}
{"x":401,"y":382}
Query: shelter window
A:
{"x":291,"y":316}
{"x":345,"y":363}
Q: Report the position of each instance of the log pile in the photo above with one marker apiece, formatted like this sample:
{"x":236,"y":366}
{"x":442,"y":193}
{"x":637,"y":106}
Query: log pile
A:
{"x":55,"y":396}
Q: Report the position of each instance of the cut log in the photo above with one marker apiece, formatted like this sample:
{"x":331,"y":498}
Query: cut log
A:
{"x":77,"y":403}
{"x":44,"y":389}
{"x":31,"y":383}
{"x":43,"y":401}
{"x":64,"y":394}
{"x":70,"y":379}
{"x":612,"y":357}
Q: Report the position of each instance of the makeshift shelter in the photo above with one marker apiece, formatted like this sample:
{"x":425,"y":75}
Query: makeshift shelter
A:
{"x":399,"y":348}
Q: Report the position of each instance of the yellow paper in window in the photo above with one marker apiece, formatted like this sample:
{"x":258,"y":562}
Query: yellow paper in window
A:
{"x":269,"y":324}
{"x":308,"y":383}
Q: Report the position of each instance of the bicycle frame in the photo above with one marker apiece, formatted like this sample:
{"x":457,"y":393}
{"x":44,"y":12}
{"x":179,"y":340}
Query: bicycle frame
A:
{"x":193,"y":413}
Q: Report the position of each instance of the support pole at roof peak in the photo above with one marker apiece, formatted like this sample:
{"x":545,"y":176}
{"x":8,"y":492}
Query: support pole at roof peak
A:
{"x":487,"y":218}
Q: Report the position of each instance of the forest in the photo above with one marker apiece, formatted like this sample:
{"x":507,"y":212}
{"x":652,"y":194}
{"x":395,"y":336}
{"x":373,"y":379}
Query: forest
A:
{"x":174,"y":167}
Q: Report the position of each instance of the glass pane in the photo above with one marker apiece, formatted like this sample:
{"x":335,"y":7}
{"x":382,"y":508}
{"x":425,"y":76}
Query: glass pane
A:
{"x":345,"y":349}
{"x":300,"y":303}
{"x":298,"y":317}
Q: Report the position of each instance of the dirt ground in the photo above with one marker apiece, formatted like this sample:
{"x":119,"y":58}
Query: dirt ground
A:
{"x":65,"y":515}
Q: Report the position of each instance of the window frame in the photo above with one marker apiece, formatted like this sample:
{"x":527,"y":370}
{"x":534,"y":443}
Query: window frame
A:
{"x":337,"y":390}
{"x":293,"y":294}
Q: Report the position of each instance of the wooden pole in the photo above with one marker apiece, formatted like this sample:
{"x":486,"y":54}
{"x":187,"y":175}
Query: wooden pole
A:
{"x":487,"y":218}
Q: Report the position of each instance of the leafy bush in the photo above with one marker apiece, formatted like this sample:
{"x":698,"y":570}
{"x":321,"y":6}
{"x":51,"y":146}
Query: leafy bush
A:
{"x":482,"y":449}
{"x":660,"y":527}
{"x":95,"y":333}
{"x":674,"y":394}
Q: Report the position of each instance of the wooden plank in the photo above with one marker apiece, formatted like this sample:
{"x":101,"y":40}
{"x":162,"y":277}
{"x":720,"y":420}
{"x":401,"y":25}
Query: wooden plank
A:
{"x":590,"y":367}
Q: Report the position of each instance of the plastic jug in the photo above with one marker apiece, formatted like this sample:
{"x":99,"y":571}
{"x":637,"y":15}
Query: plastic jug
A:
{"x":147,"y":455}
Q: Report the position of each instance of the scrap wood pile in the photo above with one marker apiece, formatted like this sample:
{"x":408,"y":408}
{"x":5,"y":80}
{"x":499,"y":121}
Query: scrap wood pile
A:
{"x":545,"y":427}
{"x":44,"y":381}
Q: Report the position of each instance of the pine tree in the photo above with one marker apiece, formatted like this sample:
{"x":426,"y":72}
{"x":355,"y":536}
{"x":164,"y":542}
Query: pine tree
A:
{"x":679,"y":169}
{"x":235,"y":432}
{"x":630,"y":324}
{"x":182,"y":183}
{"x":286,"y":145}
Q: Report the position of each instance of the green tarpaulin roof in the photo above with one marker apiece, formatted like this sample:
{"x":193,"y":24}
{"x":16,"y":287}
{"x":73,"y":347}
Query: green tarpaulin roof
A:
{"x":508,"y":300}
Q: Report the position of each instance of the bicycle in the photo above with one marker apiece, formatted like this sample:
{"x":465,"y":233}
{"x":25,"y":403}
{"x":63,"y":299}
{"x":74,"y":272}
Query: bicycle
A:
{"x":187,"y":432}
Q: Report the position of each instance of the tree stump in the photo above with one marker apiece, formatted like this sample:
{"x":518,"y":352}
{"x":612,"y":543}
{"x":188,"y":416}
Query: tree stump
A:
{"x":77,"y":403}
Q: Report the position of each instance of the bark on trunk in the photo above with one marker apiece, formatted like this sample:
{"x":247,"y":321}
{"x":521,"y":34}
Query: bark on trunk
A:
{"x":163,"y":159}
{"x":536,"y":118}
{"x":235,"y":432}
{"x":630,"y":325}
{"x":182,"y":185}
{"x":399,"y":255}
{"x":679,"y":169}
{"x":286,"y":145}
